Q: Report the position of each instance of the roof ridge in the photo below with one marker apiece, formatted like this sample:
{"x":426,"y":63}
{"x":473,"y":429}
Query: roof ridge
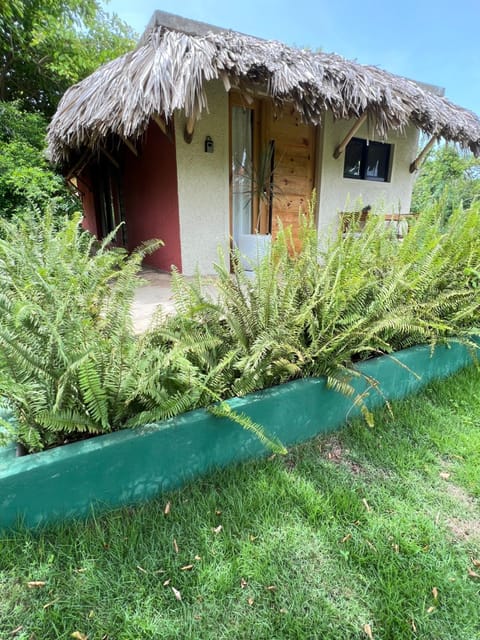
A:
{"x":175,"y":22}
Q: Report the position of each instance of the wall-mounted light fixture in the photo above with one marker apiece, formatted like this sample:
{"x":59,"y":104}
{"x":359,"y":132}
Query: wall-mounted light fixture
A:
{"x":208,"y":145}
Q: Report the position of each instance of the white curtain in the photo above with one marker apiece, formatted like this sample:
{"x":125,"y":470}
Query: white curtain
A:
{"x":241,"y":172}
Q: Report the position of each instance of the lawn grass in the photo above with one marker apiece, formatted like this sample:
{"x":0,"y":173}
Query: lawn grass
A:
{"x":368,"y":531}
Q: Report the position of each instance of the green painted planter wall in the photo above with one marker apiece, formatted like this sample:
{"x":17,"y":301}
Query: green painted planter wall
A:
{"x":128,"y":467}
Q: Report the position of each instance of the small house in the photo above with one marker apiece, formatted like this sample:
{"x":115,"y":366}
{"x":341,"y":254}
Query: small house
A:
{"x":203,"y":136}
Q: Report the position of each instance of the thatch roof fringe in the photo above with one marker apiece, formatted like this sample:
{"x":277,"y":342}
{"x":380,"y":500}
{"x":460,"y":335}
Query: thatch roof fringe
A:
{"x":169,"y":70}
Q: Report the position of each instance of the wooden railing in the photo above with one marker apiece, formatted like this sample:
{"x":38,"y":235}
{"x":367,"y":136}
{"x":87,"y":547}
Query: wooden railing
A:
{"x":400,"y":221}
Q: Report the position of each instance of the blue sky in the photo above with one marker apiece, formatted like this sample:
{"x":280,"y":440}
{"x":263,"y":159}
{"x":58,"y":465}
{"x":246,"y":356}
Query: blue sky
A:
{"x":435,"y":41}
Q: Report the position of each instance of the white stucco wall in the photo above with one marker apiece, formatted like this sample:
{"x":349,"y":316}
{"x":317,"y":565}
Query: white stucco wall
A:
{"x":203,"y":180}
{"x":336,"y":193}
{"x":203,"y":184}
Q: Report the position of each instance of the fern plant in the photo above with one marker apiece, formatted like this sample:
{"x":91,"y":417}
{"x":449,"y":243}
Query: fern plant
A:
{"x":70,"y":363}
{"x":71,"y":366}
{"x":310,"y":312}
{"x":66,"y":339}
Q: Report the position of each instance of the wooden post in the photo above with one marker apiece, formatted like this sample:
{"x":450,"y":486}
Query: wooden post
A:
{"x":342,"y":146}
{"x":160,"y":122}
{"x":130,"y":145}
{"x":110,"y":157}
{"x":189,"y":129}
{"x":421,"y":156}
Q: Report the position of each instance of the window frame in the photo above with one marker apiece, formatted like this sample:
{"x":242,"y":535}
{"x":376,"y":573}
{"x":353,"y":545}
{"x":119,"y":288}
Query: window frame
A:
{"x":366,"y":146}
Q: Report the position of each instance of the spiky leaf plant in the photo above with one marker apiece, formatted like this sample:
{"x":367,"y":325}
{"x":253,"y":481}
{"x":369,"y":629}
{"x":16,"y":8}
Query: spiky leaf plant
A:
{"x":70,"y":363}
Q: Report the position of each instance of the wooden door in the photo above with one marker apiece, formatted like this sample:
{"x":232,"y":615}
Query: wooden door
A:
{"x":293,"y":164}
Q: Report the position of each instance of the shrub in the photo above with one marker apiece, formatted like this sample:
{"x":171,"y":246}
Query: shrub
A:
{"x":67,"y":347}
{"x":449,"y":176}
{"x":316,"y":312}
{"x":70,"y":364}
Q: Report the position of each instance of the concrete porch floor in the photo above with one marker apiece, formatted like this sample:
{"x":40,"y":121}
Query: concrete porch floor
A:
{"x":156,"y":292}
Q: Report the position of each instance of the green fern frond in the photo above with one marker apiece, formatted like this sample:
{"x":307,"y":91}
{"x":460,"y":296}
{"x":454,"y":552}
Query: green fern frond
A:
{"x":93,"y":392}
{"x":223,"y":410}
{"x":67,"y":421}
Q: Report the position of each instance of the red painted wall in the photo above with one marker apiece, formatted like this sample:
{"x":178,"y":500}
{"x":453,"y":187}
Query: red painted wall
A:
{"x":151,"y":198}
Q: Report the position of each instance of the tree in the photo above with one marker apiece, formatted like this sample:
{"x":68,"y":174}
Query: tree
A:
{"x":449,"y":176}
{"x":26,"y":180}
{"x":48,"y":45}
{"x":45,"y":46}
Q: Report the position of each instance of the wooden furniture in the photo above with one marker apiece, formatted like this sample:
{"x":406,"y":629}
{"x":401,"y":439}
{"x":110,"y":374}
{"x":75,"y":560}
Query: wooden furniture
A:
{"x":399,"y":220}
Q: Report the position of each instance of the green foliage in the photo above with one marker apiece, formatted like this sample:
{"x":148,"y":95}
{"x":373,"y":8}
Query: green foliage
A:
{"x":70,"y":363}
{"x":68,"y":356}
{"x":311,"y":313}
{"x":26,"y":179}
{"x":48,"y":45}
{"x":449,"y":176}
{"x":299,"y":554}
{"x":45,"y":46}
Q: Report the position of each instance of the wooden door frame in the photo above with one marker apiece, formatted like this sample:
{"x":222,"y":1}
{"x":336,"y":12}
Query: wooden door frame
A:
{"x":262,"y":109}
{"x":108,"y":200}
{"x":257,"y":107}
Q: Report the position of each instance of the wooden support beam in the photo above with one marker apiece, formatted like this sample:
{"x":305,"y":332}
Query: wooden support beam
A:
{"x":421,"y":156}
{"x":110,"y":157}
{"x":248,"y":98}
{"x":130,"y":145}
{"x":226,"y":82}
{"x":78,"y":166}
{"x":160,"y":122}
{"x":72,"y":186}
{"x":342,"y":146}
{"x":87,"y":186}
{"x":165,"y":128}
{"x":189,"y":129}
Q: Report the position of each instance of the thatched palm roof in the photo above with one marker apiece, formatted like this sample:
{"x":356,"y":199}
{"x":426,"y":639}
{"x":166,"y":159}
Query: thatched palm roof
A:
{"x":169,"y":70}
